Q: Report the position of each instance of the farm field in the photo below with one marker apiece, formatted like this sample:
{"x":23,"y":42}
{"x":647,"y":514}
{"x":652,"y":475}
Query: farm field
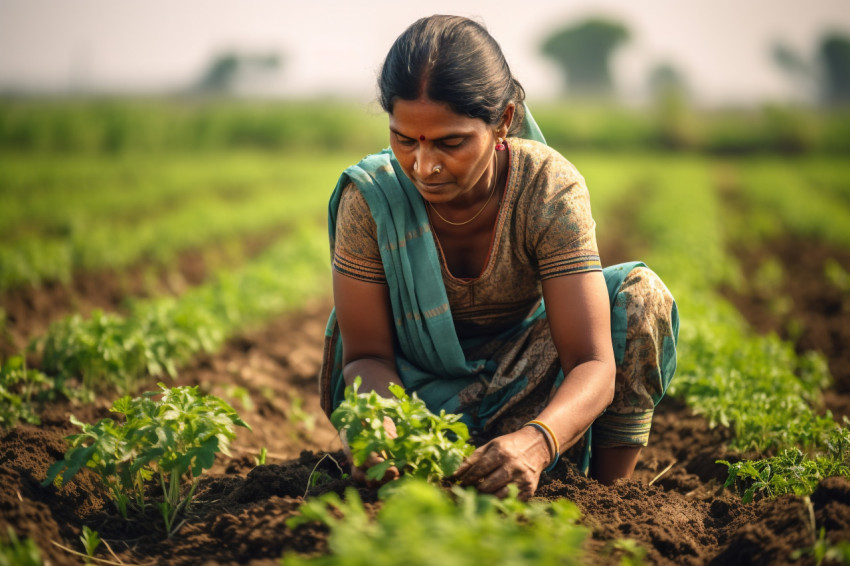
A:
{"x":206,"y":264}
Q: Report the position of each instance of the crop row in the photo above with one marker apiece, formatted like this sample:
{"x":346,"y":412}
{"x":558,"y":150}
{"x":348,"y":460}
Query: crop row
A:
{"x":778,"y":198}
{"x":88,"y":236}
{"x":84,"y":356}
{"x":118,"y":126}
{"x":47,"y":194}
{"x":754,"y":384}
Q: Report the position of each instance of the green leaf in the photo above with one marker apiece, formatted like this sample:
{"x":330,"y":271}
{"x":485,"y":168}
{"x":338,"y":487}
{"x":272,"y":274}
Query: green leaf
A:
{"x":378,"y":471}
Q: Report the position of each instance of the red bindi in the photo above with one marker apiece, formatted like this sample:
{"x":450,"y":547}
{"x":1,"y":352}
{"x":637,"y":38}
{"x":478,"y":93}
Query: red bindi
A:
{"x":421,"y":138}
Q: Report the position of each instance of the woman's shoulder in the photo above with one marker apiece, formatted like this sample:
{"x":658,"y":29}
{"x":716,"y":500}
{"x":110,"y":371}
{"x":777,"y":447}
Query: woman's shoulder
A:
{"x":372,"y":164}
{"x":352,"y":201}
{"x":542,"y":167}
{"x":534,"y":155}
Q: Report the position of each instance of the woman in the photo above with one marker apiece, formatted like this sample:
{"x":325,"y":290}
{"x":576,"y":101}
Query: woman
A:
{"x":466,"y":269}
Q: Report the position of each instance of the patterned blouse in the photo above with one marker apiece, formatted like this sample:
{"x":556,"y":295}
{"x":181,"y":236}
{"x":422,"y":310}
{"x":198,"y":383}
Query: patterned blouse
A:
{"x":544,"y":229}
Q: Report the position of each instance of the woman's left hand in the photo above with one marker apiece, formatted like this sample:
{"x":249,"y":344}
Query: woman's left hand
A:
{"x":519,"y":458}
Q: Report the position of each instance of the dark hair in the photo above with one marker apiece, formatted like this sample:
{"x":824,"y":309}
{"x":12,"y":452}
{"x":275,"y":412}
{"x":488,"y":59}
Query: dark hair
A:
{"x":454,"y":60}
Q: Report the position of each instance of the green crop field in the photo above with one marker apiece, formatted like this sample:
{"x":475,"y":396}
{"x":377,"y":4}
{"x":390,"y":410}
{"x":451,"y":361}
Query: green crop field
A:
{"x":132,"y":190}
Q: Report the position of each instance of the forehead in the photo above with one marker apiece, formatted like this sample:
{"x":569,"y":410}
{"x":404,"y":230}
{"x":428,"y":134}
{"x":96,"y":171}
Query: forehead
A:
{"x":424,"y":117}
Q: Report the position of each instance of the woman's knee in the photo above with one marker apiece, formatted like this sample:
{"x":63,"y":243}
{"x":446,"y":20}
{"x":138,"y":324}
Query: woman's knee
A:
{"x":647,"y":293}
{"x":649,"y":329}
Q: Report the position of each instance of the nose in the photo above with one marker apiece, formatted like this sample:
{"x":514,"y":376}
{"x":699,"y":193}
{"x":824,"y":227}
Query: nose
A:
{"x":426,"y":161}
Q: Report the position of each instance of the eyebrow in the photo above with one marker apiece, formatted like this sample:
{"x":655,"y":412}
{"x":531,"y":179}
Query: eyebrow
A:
{"x":448,"y":137}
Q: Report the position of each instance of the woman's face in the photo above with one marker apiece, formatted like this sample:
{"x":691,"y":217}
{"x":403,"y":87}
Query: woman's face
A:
{"x":447,"y":156}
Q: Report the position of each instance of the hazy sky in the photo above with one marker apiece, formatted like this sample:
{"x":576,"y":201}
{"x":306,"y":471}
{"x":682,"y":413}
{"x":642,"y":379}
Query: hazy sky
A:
{"x":336,"y":46}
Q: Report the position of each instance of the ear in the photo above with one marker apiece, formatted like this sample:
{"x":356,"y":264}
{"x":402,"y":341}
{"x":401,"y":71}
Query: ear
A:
{"x":505,"y":123}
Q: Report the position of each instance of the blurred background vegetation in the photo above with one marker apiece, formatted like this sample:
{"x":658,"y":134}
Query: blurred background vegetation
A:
{"x":216,"y":111}
{"x":111,"y":126}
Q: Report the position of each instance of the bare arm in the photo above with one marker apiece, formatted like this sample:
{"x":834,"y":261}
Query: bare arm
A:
{"x":579,"y":318}
{"x":365,"y":322}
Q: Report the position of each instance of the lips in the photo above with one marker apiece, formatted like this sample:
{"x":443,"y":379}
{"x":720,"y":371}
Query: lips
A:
{"x":431,"y":187}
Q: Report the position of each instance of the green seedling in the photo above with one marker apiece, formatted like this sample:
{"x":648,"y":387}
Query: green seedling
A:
{"x":298,"y":416}
{"x":240,"y":394}
{"x":19,"y":552}
{"x":260,"y":459}
{"x":172,"y":440}
{"x":823,"y":549}
{"x":427,"y":446}
{"x":319,"y":477}
{"x":20,"y":387}
{"x":462,"y":528}
{"x":791,"y":471}
{"x":91,"y":540}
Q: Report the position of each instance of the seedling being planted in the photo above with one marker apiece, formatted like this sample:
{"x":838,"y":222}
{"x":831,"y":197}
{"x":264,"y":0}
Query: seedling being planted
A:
{"x":172,"y":439}
{"x":427,"y":446}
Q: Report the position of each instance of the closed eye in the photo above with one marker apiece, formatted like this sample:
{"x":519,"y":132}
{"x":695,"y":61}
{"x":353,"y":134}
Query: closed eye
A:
{"x":403,"y":140}
{"x":451,"y":143}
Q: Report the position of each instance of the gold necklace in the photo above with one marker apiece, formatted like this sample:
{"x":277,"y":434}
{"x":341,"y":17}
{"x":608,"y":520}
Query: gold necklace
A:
{"x":477,"y":214}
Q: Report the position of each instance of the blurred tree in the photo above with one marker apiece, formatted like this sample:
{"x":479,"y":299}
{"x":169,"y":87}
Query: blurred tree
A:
{"x":827,"y":75}
{"x":789,"y":60}
{"x":583,"y":51}
{"x":678,"y":126}
{"x":227,"y":69}
{"x":803,"y":73}
{"x":834,"y":54}
{"x":665,"y":80}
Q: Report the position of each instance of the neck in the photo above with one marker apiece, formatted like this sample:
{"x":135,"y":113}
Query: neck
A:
{"x":480,"y":208}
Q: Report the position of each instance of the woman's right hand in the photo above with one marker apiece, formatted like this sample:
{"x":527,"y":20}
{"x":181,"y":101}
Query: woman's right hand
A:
{"x":358,"y":473}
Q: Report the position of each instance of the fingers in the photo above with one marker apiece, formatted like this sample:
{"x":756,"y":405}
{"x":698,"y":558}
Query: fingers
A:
{"x":467,"y":464}
{"x":480,"y":464}
{"x":494,"y":467}
{"x":499,"y":482}
{"x":522,"y":495}
{"x":389,"y":426}
{"x":494,"y":482}
{"x":359,"y":473}
{"x":391,"y":474}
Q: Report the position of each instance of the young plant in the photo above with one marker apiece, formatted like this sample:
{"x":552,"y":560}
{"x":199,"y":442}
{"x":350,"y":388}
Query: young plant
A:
{"x":171,"y":439}
{"x":791,"y":471}
{"x":260,"y":459}
{"x":462,"y":528}
{"x":824,"y":550}
{"x":319,"y":477}
{"x":19,"y":552}
{"x":19,"y":387}
{"x":91,"y":540}
{"x":427,"y":446}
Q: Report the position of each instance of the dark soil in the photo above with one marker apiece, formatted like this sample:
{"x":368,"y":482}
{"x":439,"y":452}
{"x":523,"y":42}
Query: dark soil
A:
{"x":673,"y":506}
{"x":28,"y":310}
